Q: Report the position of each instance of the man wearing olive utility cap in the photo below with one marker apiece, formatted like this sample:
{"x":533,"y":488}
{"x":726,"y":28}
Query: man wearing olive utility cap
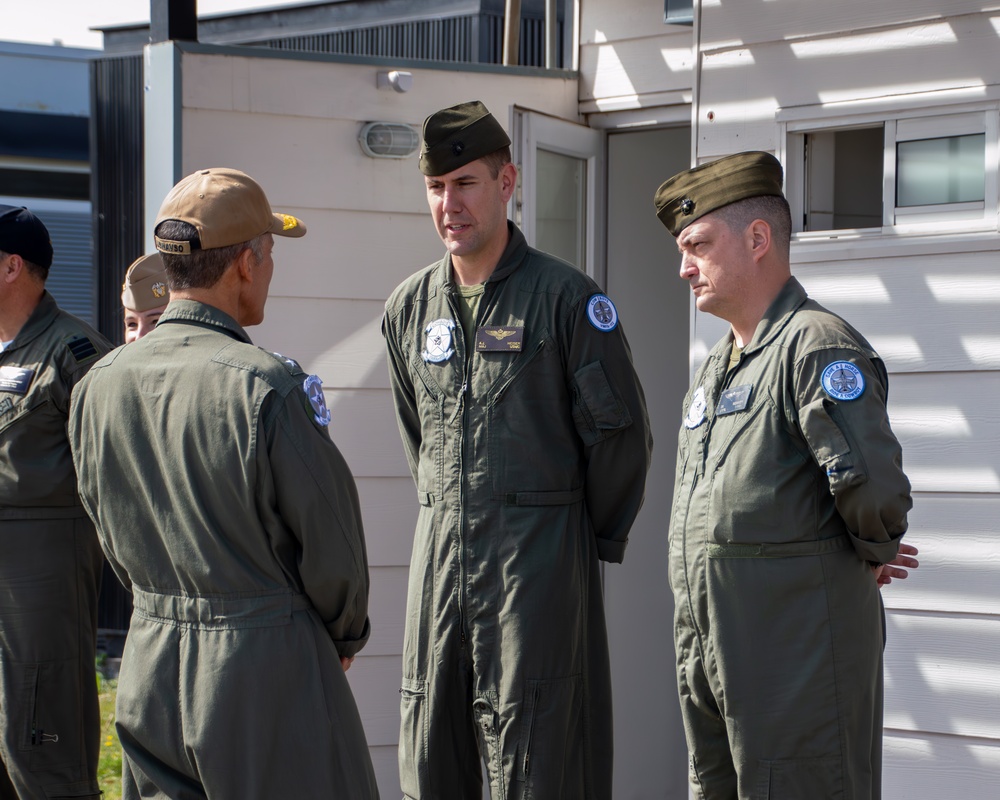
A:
{"x":526,"y":431}
{"x":225,"y":508}
{"x":789,"y":500}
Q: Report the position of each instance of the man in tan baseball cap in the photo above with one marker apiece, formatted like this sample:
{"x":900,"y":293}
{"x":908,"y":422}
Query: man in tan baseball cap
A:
{"x":144,"y":295}
{"x":240,"y":534}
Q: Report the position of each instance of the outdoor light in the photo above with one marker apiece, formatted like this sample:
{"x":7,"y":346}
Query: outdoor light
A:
{"x":395,"y":79}
{"x":388,"y":139}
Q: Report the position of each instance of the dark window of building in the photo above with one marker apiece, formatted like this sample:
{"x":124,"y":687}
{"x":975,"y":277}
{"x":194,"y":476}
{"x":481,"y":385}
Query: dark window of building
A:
{"x":678,"y":12}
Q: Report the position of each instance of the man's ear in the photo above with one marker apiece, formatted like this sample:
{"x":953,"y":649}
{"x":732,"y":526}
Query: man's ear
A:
{"x":12,"y":268}
{"x":508,"y":180}
{"x":244,"y":263}
{"x":759,"y":239}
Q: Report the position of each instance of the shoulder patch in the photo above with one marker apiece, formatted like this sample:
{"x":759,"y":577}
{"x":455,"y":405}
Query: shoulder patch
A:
{"x":82,"y":348}
{"x":601,"y":312}
{"x":313,"y":387}
{"x":843,"y":381}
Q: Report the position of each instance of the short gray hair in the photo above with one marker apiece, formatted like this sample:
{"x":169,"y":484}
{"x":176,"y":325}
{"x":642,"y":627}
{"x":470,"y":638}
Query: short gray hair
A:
{"x":200,"y":269}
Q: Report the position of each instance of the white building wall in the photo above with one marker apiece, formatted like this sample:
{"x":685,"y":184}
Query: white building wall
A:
{"x":930,"y":303}
{"x":293,"y":125}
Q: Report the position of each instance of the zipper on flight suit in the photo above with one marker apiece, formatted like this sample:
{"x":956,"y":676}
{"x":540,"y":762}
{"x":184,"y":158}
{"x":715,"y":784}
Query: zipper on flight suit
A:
{"x":461,"y":410}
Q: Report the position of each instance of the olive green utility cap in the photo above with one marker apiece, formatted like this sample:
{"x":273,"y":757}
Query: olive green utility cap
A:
{"x":456,"y":136}
{"x":696,"y":192}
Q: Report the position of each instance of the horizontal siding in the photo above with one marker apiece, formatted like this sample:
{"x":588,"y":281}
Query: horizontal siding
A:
{"x":628,"y":70}
{"x":339,"y":340}
{"x":941,"y":675}
{"x":385,"y":760}
{"x":929,"y":767}
{"x":959,"y":569}
{"x":364,"y":428}
{"x":321,"y":164}
{"x":761,"y":20}
{"x":949,"y":429}
{"x":375,"y":681}
{"x":387,"y":611}
{"x":744,"y":86}
{"x":355,"y":254}
{"x":389,"y":509}
{"x":305,"y":88}
{"x":955,"y":296}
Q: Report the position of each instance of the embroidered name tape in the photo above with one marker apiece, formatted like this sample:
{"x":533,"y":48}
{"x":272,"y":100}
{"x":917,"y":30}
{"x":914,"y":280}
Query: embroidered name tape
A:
{"x":15,"y":379}
{"x":500,"y":338}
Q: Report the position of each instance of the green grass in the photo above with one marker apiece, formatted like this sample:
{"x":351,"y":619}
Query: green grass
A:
{"x":109,"y":764}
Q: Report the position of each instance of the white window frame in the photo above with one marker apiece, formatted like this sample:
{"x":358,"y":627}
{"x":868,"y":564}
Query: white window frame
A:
{"x":901,"y":122}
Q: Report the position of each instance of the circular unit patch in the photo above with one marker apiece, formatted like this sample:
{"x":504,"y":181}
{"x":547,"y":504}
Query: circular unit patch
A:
{"x":602,"y":313}
{"x":438,"y":345}
{"x":696,"y":411}
{"x":313,"y":387}
{"x":843,"y":381}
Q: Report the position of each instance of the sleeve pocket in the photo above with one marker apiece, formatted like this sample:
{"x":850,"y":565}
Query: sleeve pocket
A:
{"x":830,"y":447}
{"x":597,"y":412}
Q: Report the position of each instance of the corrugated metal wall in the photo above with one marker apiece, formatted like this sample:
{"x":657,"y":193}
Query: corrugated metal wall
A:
{"x":117,"y":179}
{"x":469,"y":39}
{"x":116,"y":142}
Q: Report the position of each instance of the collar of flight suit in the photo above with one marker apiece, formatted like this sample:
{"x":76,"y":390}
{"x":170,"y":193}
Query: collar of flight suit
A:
{"x":193,"y":312}
{"x":778,"y":314}
{"x":512,"y":258}
{"x":39,"y":321}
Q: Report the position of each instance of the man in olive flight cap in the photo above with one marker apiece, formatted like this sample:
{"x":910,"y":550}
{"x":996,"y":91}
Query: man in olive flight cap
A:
{"x":526,"y":431}
{"x":50,"y":560}
{"x":225,"y":508}
{"x":145,"y":295}
{"x":789,"y":501}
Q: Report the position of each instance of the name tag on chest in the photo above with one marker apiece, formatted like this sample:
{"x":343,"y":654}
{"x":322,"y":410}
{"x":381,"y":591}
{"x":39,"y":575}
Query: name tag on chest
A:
{"x":500,"y":338}
{"x":15,"y":379}
{"x":733,"y":400}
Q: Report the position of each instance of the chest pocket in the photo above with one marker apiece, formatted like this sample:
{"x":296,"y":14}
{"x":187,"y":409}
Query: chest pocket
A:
{"x":419,"y":372}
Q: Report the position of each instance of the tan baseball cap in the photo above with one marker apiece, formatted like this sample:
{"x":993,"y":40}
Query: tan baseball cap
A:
{"x":226,"y":207}
{"x":145,"y":284}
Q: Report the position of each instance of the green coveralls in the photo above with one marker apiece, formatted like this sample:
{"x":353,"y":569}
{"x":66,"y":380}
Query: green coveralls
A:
{"x":785,"y":491}
{"x":529,"y":457}
{"x":50,"y":567}
{"x":225,"y":508}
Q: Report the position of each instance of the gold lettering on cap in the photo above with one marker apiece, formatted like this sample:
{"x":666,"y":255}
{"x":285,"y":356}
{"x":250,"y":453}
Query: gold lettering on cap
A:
{"x":168,"y":246}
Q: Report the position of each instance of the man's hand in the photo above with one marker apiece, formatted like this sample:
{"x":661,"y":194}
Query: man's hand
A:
{"x":897,"y":568}
{"x":346,"y":662}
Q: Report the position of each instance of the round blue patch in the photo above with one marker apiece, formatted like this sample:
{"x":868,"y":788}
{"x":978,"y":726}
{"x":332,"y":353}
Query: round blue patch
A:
{"x":313,"y":387}
{"x":602,"y":313}
{"x":843,"y":381}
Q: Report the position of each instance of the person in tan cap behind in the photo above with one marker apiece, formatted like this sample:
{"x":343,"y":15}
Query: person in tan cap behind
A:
{"x":239,"y":534}
{"x":789,"y":502}
{"x":144,"y":295}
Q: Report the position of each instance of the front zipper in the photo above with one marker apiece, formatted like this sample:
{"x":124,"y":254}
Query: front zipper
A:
{"x":522,"y":365}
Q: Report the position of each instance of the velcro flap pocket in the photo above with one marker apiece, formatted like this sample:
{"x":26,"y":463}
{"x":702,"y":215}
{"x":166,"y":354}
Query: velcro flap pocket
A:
{"x":597,"y":413}
{"x":829,"y":446}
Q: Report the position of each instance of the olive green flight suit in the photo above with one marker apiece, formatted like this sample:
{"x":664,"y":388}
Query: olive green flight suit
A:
{"x":225,"y":508}
{"x":529,"y":456}
{"x":50,"y":567}
{"x":789,"y":482}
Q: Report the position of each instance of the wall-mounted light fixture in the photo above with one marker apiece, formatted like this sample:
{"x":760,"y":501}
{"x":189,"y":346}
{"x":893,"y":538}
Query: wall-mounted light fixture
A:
{"x":395,"y":79}
{"x":388,"y":139}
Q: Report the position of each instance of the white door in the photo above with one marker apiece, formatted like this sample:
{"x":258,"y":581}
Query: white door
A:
{"x":559,"y":202}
